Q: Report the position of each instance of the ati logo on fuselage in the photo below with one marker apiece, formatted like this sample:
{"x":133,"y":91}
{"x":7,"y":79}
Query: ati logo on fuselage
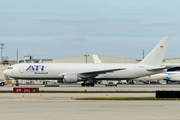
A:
{"x":35,"y":68}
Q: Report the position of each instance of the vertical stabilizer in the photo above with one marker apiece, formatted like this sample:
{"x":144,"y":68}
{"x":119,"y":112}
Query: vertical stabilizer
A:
{"x":156,"y":56}
{"x":96,"y":59}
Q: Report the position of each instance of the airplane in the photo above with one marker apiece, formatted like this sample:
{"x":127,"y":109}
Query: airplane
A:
{"x":159,"y":76}
{"x":88,"y":73}
{"x":173,"y":76}
{"x":96,"y":59}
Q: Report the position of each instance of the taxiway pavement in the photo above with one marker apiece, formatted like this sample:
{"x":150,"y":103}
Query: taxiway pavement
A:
{"x":64,"y":109}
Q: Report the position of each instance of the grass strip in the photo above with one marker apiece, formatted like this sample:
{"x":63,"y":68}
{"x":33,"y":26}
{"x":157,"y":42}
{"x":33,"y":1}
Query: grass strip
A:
{"x":145,"y":98}
{"x":97,"y":92}
{"x":6,"y":91}
{"x":87,"y":91}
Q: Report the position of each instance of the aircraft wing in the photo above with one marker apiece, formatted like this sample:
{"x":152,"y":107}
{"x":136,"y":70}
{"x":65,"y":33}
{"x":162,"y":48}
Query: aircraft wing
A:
{"x":96,"y":73}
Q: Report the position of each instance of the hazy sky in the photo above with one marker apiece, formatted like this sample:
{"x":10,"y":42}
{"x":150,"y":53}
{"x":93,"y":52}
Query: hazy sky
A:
{"x":66,"y":28}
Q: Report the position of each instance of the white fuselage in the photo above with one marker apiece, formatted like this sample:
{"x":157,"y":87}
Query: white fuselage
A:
{"x":58,"y":70}
{"x":174,"y":76}
{"x":159,"y":76}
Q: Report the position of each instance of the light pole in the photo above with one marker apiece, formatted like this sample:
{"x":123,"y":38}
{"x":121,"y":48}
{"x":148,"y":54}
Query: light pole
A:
{"x":86,"y":57}
{"x":2,"y":47}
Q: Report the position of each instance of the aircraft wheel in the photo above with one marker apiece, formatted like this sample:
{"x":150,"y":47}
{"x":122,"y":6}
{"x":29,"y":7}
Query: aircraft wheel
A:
{"x":87,"y":84}
{"x":2,"y":84}
{"x":83,"y":84}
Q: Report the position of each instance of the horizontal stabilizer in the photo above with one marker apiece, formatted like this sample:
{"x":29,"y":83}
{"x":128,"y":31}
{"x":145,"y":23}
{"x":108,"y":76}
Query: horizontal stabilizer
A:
{"x":156,"y":69}
{"x":168,"y":78}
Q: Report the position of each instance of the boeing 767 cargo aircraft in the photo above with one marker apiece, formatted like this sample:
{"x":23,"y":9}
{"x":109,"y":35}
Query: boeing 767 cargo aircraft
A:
{"x":75,"y":72}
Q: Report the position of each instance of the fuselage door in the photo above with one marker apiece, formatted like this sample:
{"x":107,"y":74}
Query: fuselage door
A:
{"x":21,"y":69}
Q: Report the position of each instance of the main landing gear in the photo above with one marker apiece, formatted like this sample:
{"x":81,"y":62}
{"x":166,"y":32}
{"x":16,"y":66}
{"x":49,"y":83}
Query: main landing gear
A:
{"x":87,"y":84}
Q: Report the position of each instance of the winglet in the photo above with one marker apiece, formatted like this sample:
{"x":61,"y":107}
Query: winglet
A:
{"x":156,"y":56}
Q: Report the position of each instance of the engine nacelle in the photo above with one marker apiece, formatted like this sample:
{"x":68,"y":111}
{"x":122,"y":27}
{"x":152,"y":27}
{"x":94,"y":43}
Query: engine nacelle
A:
{"x":70,"y":78}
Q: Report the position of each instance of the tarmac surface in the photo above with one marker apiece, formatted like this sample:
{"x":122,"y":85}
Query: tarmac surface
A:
{"x":69,"y":96}
{"x":98,"y":87}
{"x":59,"y":106}
{"x":63,"y":106}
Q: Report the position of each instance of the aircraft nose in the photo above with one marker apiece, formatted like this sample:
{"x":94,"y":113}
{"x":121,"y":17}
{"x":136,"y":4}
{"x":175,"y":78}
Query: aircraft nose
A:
{"x":5,"y":72}
{"x":166,"y":75}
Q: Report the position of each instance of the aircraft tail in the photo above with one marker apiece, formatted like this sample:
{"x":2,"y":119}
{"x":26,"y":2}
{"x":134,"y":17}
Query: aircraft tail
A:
{"x":96,"y":59}
{"x":156,"y":56}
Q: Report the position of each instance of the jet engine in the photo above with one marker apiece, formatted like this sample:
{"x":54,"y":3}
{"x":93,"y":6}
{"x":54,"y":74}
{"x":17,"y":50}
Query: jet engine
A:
{"x":70,"y":78}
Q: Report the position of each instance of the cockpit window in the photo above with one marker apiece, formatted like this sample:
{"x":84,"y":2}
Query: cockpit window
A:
{"x":10,"y":68}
